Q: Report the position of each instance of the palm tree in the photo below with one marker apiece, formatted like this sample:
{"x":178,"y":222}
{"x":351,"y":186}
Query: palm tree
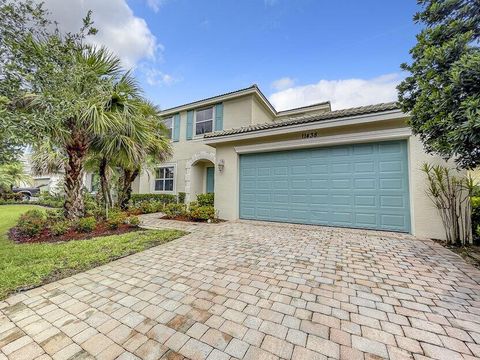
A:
{"x":97,"y":76}
{"x":13,"y":174}
{"x":152,"y":146}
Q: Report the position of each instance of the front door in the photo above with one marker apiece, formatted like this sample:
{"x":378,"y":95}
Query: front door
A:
{"x":210,"y":179}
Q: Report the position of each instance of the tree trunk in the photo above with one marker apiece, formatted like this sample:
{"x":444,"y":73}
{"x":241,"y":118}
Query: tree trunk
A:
{"x":76,"y":152}
{"x":125,"y":192}
{"x":104,"y":182}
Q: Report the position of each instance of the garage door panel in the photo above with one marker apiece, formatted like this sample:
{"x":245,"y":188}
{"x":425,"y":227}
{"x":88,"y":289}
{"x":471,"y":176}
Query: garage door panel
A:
{"x":361,"y":185}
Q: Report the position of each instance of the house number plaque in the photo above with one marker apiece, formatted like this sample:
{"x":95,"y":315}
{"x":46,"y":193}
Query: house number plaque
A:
{"x":309,"y":134}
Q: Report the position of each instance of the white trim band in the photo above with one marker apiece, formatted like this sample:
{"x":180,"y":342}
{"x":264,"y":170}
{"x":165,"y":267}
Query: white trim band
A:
{"x":367,"y":136}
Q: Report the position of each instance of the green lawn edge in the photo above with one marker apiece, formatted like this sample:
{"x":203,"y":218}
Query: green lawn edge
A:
{"x":25,"y":266}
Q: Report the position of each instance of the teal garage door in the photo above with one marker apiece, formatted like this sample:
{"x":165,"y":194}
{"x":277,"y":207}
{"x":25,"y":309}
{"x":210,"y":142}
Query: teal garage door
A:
{"x":359,"y":186}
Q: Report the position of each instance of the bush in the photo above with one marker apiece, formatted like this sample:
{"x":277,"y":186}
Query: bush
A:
{"x":115,"y":219}
{"x":31,"y":223}
{"x":133,"y":221}
{"x":162,"y":198}
{"x":60,"y":228}
{"x":45,"y":199}
{"x":91,"y":205}
{"x":11,"y":196}
{"x":174,"y":210}
{"x":197,"y":212}
{"x":54,"y":215}
{"x":206,"y":199}
{"x":181,"y":197}
{"x":86,"y":224}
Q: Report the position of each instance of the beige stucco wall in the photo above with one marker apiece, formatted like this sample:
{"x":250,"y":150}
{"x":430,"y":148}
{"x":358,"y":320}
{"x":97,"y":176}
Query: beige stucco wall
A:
{"x":190,"y":178}
{"x":425,"y":220}
{"x":260,"y":114}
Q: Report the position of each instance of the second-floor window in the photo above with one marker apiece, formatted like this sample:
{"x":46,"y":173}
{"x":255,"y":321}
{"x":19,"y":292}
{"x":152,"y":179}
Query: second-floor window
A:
{"x":169,"y":125}
{"x":204,"y":121}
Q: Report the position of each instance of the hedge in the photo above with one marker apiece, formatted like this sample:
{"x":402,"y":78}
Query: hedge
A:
{"x":163,"y":198}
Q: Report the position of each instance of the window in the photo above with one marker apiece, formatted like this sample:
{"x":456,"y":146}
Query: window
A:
{"x":204,"y":121}
{"x":169,"y":125}
{"x":164,"y":178}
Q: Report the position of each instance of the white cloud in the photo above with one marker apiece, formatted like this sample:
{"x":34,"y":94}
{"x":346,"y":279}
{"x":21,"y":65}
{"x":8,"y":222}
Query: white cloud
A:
{"x":119,"y":29}
{"x":156,"y":77}
{"x":342,"y":94}
{"x":155,"y":5}
{"x":283,"y":83}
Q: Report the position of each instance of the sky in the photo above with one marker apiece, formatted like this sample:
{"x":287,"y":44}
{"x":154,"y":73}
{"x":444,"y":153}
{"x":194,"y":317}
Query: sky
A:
{"x":298,"y":52}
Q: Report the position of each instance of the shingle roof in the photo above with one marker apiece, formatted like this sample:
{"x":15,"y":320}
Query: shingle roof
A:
{"x":362,"y":110}
{"x":254,"y":86}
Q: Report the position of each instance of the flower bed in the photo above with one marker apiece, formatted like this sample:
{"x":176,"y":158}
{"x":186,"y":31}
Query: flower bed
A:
{"x":46,"y":235}
{"x":38,"y":226}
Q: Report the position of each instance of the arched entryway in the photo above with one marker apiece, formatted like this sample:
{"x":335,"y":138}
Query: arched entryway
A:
{"x":200,"y":175}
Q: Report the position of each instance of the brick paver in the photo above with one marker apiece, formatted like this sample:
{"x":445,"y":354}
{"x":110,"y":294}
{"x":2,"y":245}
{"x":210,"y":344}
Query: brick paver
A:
{"x":256,"y":290}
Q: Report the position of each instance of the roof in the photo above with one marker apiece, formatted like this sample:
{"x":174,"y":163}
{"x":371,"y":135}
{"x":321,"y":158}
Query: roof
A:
{"x":248,"y":90}
{"x":362,"y":110}
{"x":253,"y":89}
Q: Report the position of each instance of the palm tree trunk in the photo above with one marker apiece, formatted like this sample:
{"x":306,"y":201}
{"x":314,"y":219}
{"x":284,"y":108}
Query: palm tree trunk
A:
{"x":125,"y":192}
{"x":104,"y":182}
{"x":76,"y":152}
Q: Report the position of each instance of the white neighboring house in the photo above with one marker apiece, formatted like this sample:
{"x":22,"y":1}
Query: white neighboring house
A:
{"x":51,"y":183}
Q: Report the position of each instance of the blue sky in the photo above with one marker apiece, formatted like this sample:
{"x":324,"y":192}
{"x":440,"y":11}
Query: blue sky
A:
{"x":298,"y":52}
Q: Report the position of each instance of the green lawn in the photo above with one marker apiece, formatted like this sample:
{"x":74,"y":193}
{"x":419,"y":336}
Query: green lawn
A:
{"x":27,"y":265}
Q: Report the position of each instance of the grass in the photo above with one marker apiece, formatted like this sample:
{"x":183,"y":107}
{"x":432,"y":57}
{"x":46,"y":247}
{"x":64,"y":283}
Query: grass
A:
{"x":25,"y":266}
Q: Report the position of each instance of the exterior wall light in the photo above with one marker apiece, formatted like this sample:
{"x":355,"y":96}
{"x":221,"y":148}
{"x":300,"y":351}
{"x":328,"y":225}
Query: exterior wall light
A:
{"x":221,"y":165}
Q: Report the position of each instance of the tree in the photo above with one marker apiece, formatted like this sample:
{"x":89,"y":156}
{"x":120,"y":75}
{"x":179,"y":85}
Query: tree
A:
{"x":63,"y":88}
{"x":152,"y":147}
{"x":13,"y":174}
{"x":442,"y":91}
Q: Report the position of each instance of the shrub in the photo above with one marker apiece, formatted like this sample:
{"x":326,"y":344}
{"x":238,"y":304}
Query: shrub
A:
{"x":175,"y":210}
{"x":11,"y":196}
{"x":133,"y":221}
{"x":197,"y":212}
{"x":91,"y":205}
{"x":86,"y":224}
{"x":181,"y":197}
{"x":162,"y":198}
{"x":46,"y":199}
{"x":54,"y":215}
{"x":115,"y":219}
{"x":31,"y":223}
{"x":205,"y":199}
{"x":60,"y":228}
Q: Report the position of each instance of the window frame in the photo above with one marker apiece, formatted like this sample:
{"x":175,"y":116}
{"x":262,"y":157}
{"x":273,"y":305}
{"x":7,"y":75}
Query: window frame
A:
{"x":203,"y":121}
{"x":172,"y":119}
{"x":174,"y":179}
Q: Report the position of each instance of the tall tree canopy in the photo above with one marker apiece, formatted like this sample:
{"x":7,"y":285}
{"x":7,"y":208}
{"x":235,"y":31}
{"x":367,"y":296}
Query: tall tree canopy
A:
{"x":442,"y":92}
{"x":64,"y":90}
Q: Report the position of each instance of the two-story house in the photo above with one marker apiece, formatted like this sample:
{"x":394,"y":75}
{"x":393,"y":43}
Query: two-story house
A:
{"x":192,"y":166}
{"x":358,"y":167}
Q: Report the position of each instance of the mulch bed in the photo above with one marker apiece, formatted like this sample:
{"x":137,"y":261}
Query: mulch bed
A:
{"x":470,"y":253}
{"x":187,"y":219}
{"x":47,"y":236}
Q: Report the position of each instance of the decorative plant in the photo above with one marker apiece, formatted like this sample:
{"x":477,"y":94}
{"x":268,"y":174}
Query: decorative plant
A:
{"x":450,"y":192}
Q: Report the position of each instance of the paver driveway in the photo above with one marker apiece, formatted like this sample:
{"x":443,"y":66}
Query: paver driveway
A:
{"x":257,"y":291}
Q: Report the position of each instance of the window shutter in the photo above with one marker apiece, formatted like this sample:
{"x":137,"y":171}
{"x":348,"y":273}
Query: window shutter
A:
{"x":219,"y":117}
{"x":189,"y":125}
{"x":176,"y":127}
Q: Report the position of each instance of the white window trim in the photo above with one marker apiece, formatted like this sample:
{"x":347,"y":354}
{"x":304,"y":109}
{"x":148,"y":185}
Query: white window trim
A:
{"x":174,"y":191}
{"x":195,"y":121}
{"x":172,"y":118}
